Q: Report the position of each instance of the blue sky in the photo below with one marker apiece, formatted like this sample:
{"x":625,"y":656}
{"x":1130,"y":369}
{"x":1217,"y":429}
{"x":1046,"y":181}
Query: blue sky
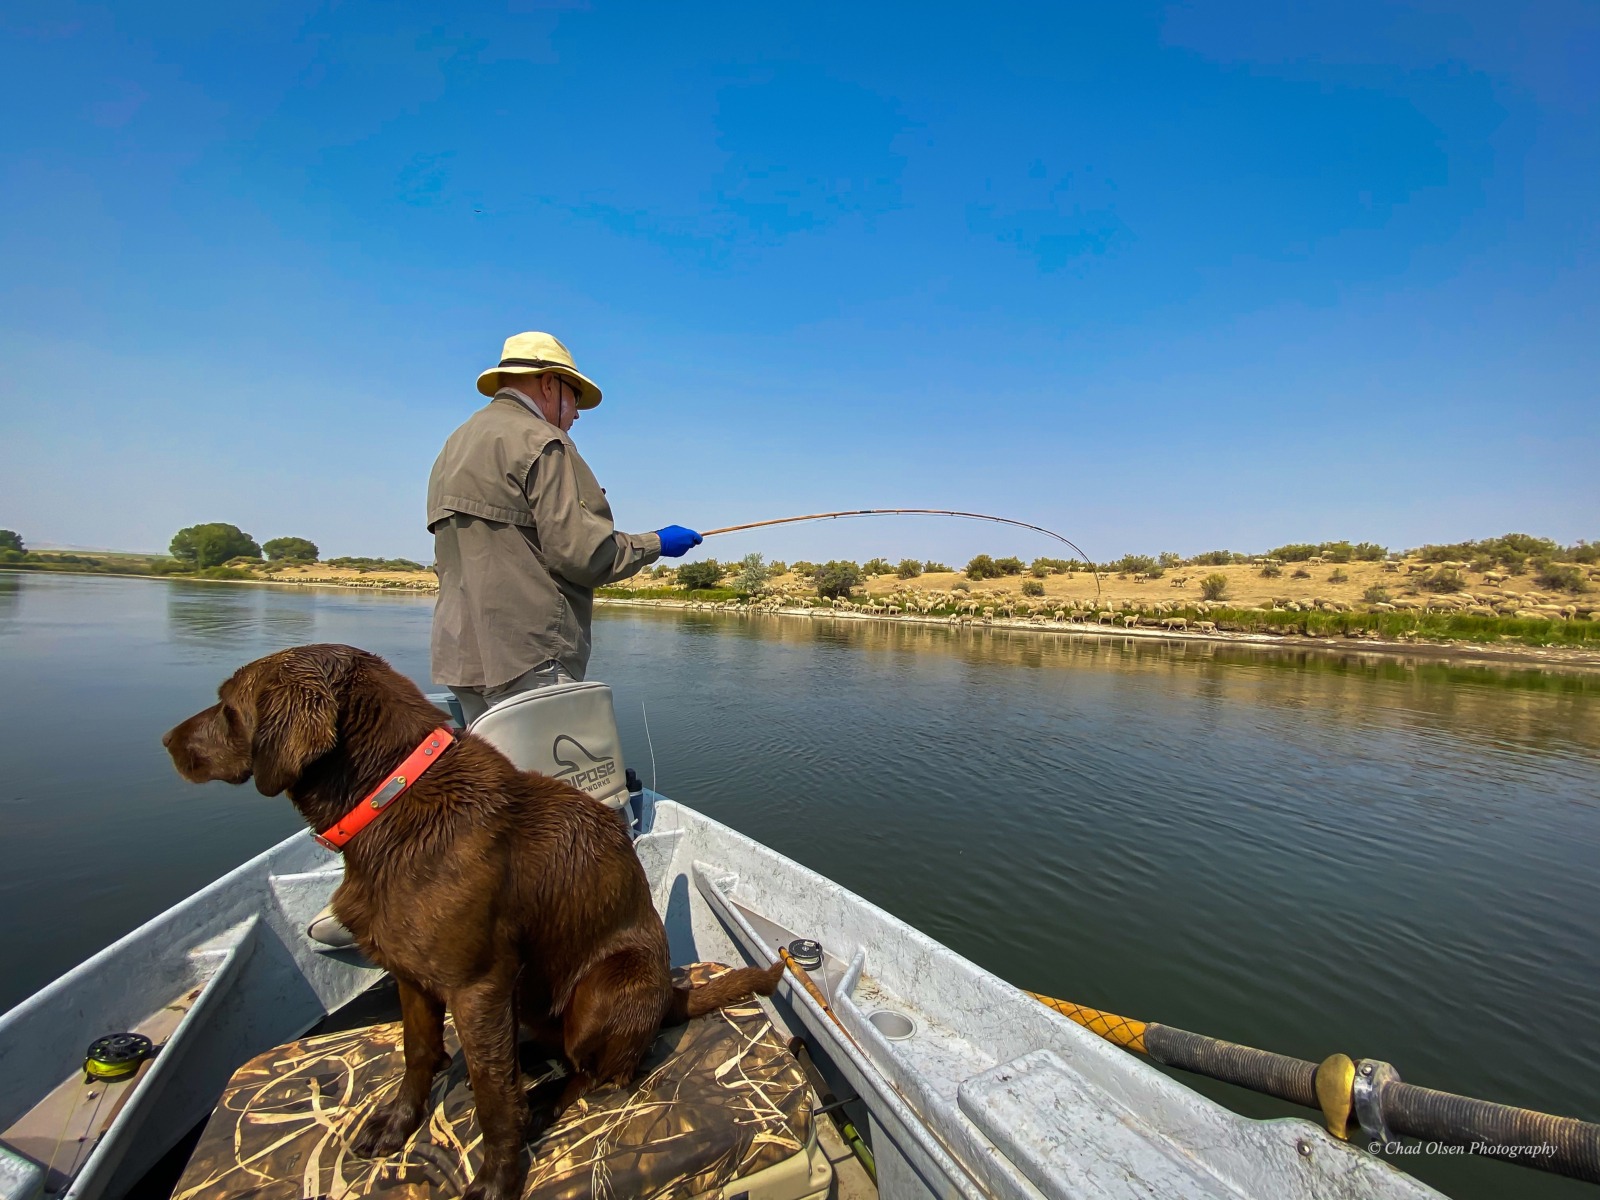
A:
{"x":1159,"y":277}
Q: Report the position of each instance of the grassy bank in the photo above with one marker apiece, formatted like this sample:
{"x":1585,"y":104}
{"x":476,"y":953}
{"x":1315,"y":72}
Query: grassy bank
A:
{"x":1399,"y":626}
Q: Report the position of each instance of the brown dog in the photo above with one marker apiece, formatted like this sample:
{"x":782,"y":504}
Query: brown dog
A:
{"x":496,"y":892}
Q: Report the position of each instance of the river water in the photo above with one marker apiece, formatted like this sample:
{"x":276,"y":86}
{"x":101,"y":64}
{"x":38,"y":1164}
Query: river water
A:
{"x":1299,"y":851}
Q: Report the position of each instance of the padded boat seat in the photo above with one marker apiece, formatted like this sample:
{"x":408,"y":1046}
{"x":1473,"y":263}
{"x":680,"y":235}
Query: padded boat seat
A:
{"x":719,"y":1107}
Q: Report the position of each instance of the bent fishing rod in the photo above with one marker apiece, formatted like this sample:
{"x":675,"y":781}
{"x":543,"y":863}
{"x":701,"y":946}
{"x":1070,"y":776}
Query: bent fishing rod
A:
{"x":926,"y":512}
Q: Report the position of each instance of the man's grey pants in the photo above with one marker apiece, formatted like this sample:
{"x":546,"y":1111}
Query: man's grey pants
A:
{"x":477,"y":701}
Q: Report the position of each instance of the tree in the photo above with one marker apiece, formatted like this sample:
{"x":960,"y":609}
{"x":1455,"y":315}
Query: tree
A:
{"x":909,"y":568}
{"x":982,"y":567}
{"x":753,"y":572}
{"x":704,"y":574}
{"x":877,"y":566}
{"x":10,"y":539}
{"x":933,"y":565}
{"x":835,"y":579}
{"x":1214,"y":586}
{"x":1009,"y":566}
{"x":290,"y":549}
{"x":213,"y":544}
{"x":1032,"y":587}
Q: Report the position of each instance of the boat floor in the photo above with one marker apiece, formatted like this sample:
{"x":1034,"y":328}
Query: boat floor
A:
{"x":380,"y":1005}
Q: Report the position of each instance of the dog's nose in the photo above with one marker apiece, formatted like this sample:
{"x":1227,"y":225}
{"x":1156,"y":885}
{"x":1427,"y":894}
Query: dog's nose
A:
{"x":166,"y":738}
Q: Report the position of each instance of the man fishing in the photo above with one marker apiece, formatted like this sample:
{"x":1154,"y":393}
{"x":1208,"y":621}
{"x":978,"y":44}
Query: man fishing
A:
{"x":523,"y":534}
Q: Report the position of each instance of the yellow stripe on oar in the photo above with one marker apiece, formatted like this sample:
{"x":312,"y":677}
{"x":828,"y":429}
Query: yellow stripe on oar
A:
{"x":1124,"y":1031}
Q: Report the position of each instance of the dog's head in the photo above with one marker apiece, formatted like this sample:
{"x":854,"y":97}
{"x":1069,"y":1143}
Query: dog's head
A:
{"x":273,"y":718}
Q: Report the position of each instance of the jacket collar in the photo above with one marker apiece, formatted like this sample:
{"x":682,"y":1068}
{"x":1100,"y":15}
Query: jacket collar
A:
{"x":522,"y":398}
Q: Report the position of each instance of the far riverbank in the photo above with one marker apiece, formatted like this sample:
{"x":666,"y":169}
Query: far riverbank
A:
{"x":1446,"y":652}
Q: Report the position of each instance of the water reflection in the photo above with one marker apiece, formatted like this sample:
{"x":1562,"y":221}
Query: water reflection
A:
{"x":1530,"y":705}
{"x":230,"y":617}
{"x":10,"y":599}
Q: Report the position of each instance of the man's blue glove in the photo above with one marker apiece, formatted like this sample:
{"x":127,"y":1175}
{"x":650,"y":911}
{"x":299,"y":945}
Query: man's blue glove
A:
{"x":676,"y":541}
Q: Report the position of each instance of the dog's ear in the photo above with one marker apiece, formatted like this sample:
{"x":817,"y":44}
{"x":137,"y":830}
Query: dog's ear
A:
{"x":297,"y":722}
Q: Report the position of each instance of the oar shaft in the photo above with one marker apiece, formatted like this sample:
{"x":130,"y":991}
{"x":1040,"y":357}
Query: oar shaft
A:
{"x":1561,"y":1145}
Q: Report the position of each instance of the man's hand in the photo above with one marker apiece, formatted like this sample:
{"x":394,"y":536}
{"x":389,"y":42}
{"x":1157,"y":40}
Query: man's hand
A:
{"x":676,"y":541}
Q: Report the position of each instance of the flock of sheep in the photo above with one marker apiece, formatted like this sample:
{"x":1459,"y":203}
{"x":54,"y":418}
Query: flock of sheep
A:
{"x":1490,"y":598}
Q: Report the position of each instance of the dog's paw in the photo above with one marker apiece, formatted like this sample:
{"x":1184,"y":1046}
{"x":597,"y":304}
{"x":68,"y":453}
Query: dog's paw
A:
{"x":503,"y":1184}
{"x":388,"y":1129}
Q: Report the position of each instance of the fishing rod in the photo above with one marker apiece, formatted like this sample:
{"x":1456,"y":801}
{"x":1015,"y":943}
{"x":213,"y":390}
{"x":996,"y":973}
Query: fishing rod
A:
{"x":1365,"y":1095}
{"x":926,"y":512}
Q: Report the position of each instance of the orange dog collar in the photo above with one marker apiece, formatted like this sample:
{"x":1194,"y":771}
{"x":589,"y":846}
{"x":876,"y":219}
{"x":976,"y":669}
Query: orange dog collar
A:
{"x":358,"y":818}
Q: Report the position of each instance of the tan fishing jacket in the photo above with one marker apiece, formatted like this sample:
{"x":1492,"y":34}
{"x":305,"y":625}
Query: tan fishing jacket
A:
{"x":522,"y":536}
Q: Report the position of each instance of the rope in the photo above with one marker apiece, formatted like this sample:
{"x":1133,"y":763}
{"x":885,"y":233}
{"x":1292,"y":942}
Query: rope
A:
{"x":927,"y":512}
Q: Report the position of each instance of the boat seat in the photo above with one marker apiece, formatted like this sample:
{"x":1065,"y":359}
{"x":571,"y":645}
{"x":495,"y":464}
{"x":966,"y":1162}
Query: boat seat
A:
{"x":567,"y":730}
{"x":718,"y":1103}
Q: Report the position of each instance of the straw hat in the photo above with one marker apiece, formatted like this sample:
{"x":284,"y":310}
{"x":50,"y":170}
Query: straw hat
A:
{"x":537,"y":354}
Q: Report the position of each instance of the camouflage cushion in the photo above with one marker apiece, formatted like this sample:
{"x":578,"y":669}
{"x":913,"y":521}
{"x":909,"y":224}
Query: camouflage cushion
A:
{"x":717,"y":1099}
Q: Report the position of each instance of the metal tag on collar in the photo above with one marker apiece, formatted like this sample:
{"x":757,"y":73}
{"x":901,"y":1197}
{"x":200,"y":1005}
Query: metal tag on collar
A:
{"x":389,"y":791}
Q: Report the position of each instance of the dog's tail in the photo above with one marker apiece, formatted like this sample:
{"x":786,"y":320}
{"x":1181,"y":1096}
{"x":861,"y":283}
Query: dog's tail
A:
{"x":728,"y":988}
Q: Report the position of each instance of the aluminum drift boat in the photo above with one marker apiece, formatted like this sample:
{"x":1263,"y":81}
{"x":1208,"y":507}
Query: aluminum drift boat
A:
{"x":963,"y":1085}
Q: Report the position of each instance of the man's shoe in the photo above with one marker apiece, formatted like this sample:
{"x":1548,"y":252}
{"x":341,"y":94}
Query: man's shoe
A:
{"x":325,"y":928}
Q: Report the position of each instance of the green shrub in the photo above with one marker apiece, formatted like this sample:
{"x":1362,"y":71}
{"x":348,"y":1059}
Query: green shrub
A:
{"x":1214,"y":586}
{"x":1271,"y":570}
{"x":358,"y":563}
{"x":1213,"y":558}
{"x":1170,"y":558}
{"x":706,"y":573}
{"x":1134,"y":564}
{"x":1560,"y":577}
{"x":1032,"y":587}
{"x":1009,"y":566}
{"x":877,"y":566}
{"x":803,"y":568}
{"x":931,"y":566}
{"x":1338,"y":575}
{"x":1300,"y":573}
{"x":1294,"y":552}
{"x":1370,"y":552}
{"x":1039,"y":571}
{"x":11,"y":555}
{"x":1376,"y":594}
{"x":779,"y":567}
{"x":1444,"y":579}
{"x":982,"y":567}
{"x":909,"y":568}
{"x":835,"y":579}
{"x":1584,"y":552}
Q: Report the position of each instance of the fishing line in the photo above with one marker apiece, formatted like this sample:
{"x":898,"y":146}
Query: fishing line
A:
{"x":927,"y":512}
{"x":649,"y":741}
